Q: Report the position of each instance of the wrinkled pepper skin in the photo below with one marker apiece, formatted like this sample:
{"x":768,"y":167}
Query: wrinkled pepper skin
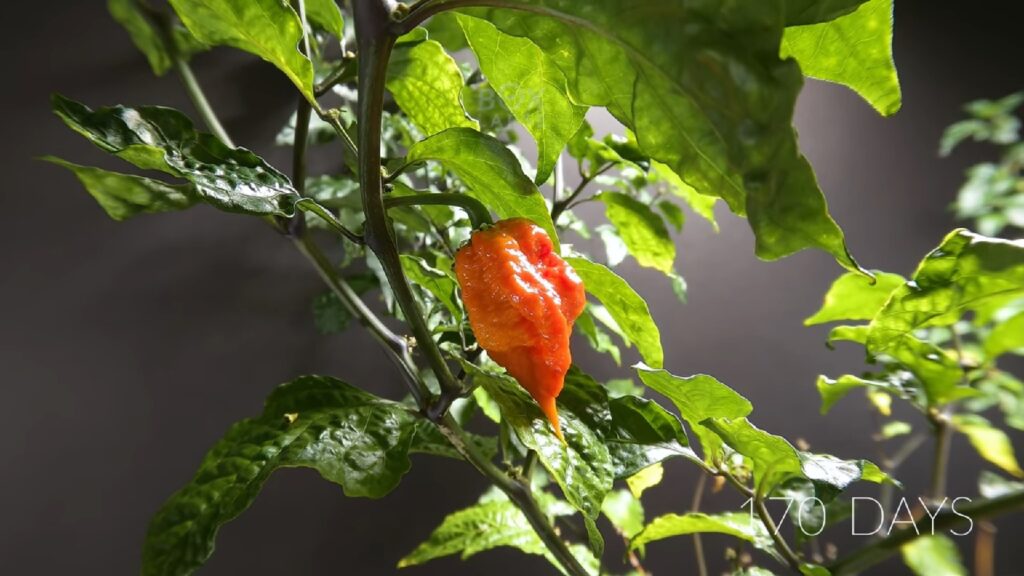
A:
{"x":522,"y":300}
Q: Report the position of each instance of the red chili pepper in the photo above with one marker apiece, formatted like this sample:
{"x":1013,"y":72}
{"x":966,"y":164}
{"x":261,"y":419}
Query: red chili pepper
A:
{"x":522,"y":300}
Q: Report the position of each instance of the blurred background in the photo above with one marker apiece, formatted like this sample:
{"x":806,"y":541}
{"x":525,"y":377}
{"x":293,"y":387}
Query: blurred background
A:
{"x":127,"y":349}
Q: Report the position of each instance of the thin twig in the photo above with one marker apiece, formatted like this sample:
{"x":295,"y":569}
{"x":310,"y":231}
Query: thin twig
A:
{"x":698,"y":544}
{"x":561,"y":205}
{"x":518,"y":493}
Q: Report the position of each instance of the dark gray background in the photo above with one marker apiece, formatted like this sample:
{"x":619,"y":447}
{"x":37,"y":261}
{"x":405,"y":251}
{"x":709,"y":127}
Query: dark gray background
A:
{"x":127,"y":349}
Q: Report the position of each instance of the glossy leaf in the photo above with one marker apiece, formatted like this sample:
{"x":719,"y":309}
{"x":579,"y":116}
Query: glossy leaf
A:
{"x":741,"y":525}
{"x":991,"y":443}
{"x":490,"y":171}
{"x":933,"y":555}
{"x":854,"y":50}
{"x":625,"y":306}
{"x":350,"y":437}
{"x":966,"y":271}
{"x":157,"y":138}
{"x":531,"y":85}
{"x":124,"y":195}
{"x":774,"y":460}
{"x":643,"y":434}
{"x":427,"y":85}
{"x":326,"y":15}
{"x":269,"y":29}
{"x":711,"y":99}
{"x":697,"y":398}
{"x":581,"y":466}
{"x":643,"y":231}
{"x":854,"y":297}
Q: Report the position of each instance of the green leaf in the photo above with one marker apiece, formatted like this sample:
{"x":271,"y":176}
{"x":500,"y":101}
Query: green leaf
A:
{"x":327,"y":15}
{"x":329,"y":314}
{"x":269,"y":29}
{"x":712,"y":100}
{"x":157,"y":138}
{"x":434,"y":281}
{"x":624,"y":305}
{"x":427,"y":85}
{"x":991,"y":443}
{"x":1006,"y":336}
{"x":445,"y":28}
{"x":350,"y":437}
{"x":595,"y":541}
{"x":803,"y":12}
{"x":647,"y":478}
{"x":624,"y":511}
{"x":581,"y":465}
{"x":643,"y":232}
{"x":480,"y":527}
{"x":854,"y":50}
{"x":992,"y":485}
{"x":702,"y":205}
{"x":854,"y":297}
{"x":774,"y":460}
{"x":895,"y":428}
{"x":490,"y":171}
{"x":834,"y":390}
{"x":697,"y":398}
{"x":741,"y":525}
{"x":531,"y":85}
{"x":965,"y":272}
{"x":643,"y":434}
{"x":128,"y":14}
{"x":933,"y":555}
{"x":673,"y":214}
{"x":124,"y":195}
{"x":599,"y":340}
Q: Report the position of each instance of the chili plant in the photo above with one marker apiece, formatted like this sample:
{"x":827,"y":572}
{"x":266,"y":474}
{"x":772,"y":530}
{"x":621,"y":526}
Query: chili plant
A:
{"x":426,"y":154}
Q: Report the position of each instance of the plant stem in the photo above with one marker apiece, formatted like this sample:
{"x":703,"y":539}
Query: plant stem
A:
{"x":560,"y":206}
{"x":878,"y":551}
{"x":300,"y":140}
{"x":375,"y":41}
{"x":943,"y":436}
{"x":762,"y":513}
{"x":518,"y":493}
{"x":698,"y":544}
{"x":477,"y":212}
{"x":892,"y":464}
{"x":395,"y":344}
{"x":310,"y":205}
{"x":200,"y":102}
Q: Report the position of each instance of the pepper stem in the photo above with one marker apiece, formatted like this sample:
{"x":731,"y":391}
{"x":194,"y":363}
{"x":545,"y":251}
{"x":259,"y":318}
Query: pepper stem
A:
{"x":477,"y":212}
